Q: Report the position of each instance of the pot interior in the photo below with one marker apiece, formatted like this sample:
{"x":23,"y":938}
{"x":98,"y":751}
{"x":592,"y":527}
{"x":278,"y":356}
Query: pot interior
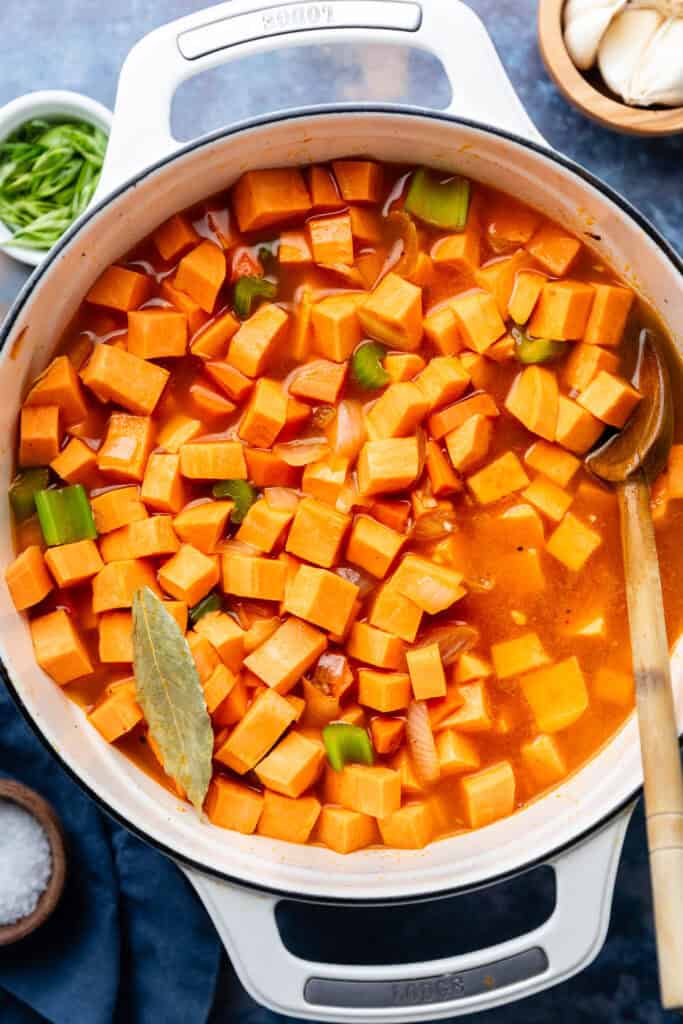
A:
{"x":31,"y":333}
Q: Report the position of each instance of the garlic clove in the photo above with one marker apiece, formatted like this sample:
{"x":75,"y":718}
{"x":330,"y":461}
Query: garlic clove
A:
{"x":659,"y":78}
{"x":623,"y":46}
{"x":585,"y":23}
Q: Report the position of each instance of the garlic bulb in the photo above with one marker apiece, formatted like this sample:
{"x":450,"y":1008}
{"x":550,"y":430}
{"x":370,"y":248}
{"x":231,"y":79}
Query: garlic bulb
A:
{"x":585,"y":23}
{"x":638,"y":45}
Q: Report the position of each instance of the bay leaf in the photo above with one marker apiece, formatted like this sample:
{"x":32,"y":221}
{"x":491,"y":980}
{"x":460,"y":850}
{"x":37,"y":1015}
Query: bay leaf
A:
{"x":170,"y":694}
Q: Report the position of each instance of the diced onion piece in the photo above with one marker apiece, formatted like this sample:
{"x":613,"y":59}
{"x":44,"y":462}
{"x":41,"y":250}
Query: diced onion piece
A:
{"x":282,"y":497}
{"x":421,"y":742}
{"x":435,"y":525}
{"x":363,"y":581}
{"x":347,"y":430}
{"x":453,"y":640}
{"x":405,"y":226}
{"x":302,"y":451}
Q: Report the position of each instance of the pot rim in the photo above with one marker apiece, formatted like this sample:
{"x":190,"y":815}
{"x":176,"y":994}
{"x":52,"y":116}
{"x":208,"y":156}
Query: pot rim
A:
{"x":322,"y":110}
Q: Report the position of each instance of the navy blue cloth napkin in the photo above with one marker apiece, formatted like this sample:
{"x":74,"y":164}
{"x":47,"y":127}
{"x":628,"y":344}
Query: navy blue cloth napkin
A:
{"x":129,"y":942}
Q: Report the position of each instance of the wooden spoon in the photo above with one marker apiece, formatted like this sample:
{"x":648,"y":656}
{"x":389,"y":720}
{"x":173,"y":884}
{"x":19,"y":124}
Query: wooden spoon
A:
{"x":631,"y":460}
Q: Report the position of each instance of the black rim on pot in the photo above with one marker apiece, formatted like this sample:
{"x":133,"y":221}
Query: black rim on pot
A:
{"x":34,"y":280}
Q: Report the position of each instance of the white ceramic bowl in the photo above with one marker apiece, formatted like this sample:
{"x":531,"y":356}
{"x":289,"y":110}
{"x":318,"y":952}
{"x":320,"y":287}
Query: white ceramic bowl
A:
{"x":50,"y":104}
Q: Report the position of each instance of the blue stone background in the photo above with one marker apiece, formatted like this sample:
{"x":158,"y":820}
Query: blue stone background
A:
{"x":80,"y":44}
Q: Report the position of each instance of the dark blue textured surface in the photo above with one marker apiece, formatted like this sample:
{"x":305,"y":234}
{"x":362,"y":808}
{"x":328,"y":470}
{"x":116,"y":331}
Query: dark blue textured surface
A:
{"x":79,"y":44}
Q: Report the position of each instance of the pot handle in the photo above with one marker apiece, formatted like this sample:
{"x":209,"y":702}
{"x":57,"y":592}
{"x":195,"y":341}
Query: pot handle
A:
{"x":162,"y":60}
{"x":567,"y":942}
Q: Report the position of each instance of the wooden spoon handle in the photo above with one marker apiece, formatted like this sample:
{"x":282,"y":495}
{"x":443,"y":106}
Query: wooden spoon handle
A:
{"x":663,"y":781}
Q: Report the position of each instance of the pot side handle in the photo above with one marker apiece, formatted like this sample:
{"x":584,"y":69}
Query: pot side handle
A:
{"x":567,"y":942}
{"x":162,"y":60}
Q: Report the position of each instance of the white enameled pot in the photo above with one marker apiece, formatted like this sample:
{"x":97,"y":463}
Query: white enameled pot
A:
{"x":578,"y":828}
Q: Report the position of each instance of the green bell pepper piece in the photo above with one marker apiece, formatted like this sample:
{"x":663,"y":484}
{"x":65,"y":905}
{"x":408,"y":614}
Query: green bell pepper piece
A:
{"x":241,"y":492}
{"x":442,"y":201}
{"x":536,"y":350}
{"x":249,"y":288}
{"x":213,"y":602}
{"x":347,"y":744}
{"x":366,"y":366}
{"x":65,"y":515}
{"x":22,"y":492}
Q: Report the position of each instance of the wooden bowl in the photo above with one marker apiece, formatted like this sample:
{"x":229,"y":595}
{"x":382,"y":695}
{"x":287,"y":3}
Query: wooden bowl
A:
{"x":575,"y":87}
{"x":42,"y":810}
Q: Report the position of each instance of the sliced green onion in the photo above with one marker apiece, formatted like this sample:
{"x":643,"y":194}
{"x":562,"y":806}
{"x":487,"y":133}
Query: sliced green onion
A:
{"x":241,"y":492}
{"x":440,"y":201}
{"x":366,"y":366}
{"x":22,"y":493}
{"x":48,"y":174}
{"x":249,"y":288}
{"x":347,"y":744}
{"x":536,"y":350}
{"x":65,"y":515}
{"x":213,"y":602}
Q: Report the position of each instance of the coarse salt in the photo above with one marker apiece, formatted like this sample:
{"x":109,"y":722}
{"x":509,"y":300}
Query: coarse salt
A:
{"x":25,"y":862}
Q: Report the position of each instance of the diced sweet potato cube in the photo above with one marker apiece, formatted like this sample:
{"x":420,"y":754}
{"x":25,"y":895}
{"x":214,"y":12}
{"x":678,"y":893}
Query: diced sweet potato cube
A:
{"x":211,"y":342}
{"x":395,"y":614}
{"x":208,"y":403}
{"x":317,"y":532}
{"x":509,"y":223}
{"x":264,"y":197}
{"x":116,"y":508}
{"x":145,"y":538}
{"x":523,"y":526}
{"x":287,"y":654}
{"x":373,"y":546}
{"x":126,"y":446}
{"x":613,"y":686}
{"x":449,"y":419}
{"x":503,"y":476}
{"x":562,"y":311}
{"x":118,"y":713}
{"x":469,"y":443}
{"x":321,"y":708}
{"x":323,"y":189}
{"x":383,"y":691}
{"x":443,"y":380}
{"x":262,"y":579}
{"x":474,"y":714}
{"x":388,"y":465}
{"x":289,"y":820}
{"x":456,"y":753}
{"x":157,"y":333}
{"x":331,"y":239}
{"x":397,"y":412}
{"x":387,"y":734}
{"x":533,"y":400}
{"x":163,"y":488}
{"x":488,"y":795}
{"x":584,"y":363}
{"x":59,"y":385}
{"x":374,"y":646}
{"x":336,"y":326}
{"x":459,"y":252}
{"x":325,"y":478}
{"x":27,"y":578}
{"x":514,"y":657}
{"x":608,"y":316}
{"x":442,"y":477}
{"x":176,"y":431}
{"x":213,"y":460}
{"x":577,"y":429}
{"x":610,"y":399}
{"x":373,"y":790}
{"x":550,"y":499}
{"x":526,"y":292}
{"x":470,"y":666}
{"x":403,"y":764}
{"x":175,"y":236}
{"x":205,"y":657}
{"x":71,"y":564}
{"x":119,"y":288}
{"x":557,"y":694}
{"x":58,"y":648}
{"x":366,"y":226}
{"x":40,"y":434}
{"x":344,"y":831}
{"x":196,"y":317}
{"x":409,"y":828}
{"x":481,"y":369}
{"x":294,"y":249}
{"x":292,"y":766}
{"x":127,"y":380}
{"x":321,"y":597}
{"x":115,"y":631}
{"x":543,"y":760}
{"x":360,"y":181}
{"x":231,"y":805}
{"x":393,"y":313}
{"x":478,"y":319}
{"x":263,"y":724}
{"x":573,"y":542}
{"x":320,"y":380}
{"x":225,"y":636}
{"x":76,"y":463}
{"x":255,"y":342}
{"x":300,"y":339}
{"x":441,"y":329}
{"x":203,"y":525}
{"x":218,"y":687}
{"x":427,"y":676}
{"x":402,"y":366}
{"x":554,"y":248}
{"x":201,"y":274}
{"x":264,"y":525}
{"x":554,"y":463}
{"x":189,"y":575}
{"x":431,"y":587}
{"x":265,"y":414}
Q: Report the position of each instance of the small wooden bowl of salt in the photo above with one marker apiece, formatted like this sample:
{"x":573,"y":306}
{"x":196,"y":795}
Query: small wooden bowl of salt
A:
{"x":32,"y":861}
